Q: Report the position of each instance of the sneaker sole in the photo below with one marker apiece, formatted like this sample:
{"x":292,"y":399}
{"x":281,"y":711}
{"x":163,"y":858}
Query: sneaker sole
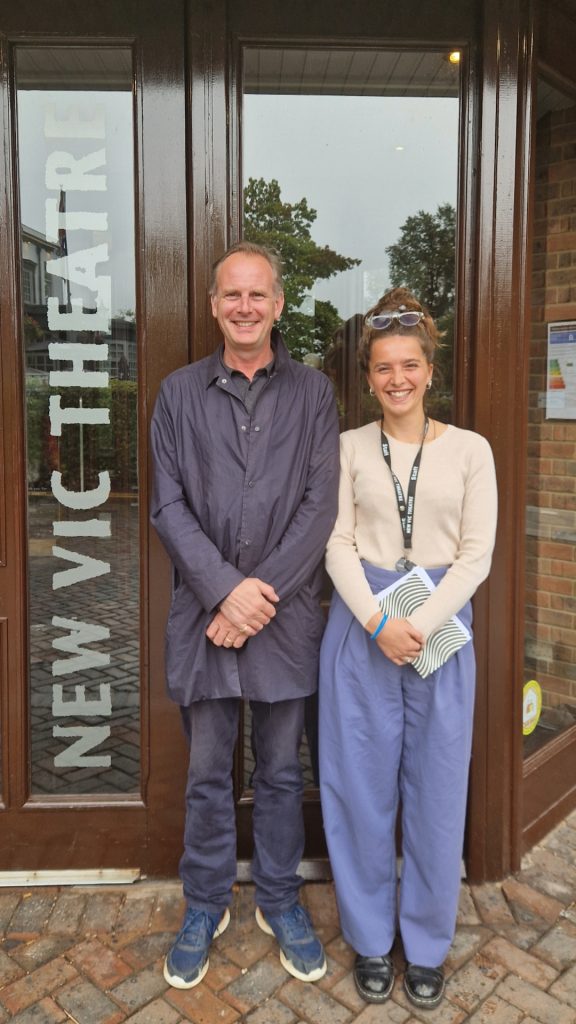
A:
{"x":287,"y":964}
{"x":175,"y":980}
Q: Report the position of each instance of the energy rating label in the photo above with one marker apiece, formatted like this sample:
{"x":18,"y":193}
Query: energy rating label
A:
{"x":561,"y":376}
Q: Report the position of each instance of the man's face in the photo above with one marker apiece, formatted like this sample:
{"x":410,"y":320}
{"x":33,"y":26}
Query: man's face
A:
{"x":246,"y":305}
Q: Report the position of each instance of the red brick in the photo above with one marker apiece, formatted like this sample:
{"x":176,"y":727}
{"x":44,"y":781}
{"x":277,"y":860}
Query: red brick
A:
{"x":202,"y":1006}
{"x":533,"y":1001}
{"x":475,"y":981}
{"x":44,"y":1012}
{"x":515,"y":960}
{"x":158,"y":1012}
{"x":101,"y":912}
{"x":86,"y":1004}
{"x":20,"y":994}
{"x":311,"y":1003}
{"x":538,"y":903}
{"x":565,"y":988}
{"x":101,"y":964}
{"x":496,"y":1011}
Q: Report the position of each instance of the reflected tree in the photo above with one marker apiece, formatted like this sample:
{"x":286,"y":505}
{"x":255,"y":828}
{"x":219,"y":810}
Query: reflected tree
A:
{"x":307,"y":325}
{"x":424,"y":260}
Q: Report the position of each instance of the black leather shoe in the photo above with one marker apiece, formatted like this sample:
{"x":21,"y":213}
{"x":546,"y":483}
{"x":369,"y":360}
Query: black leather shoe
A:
{"x":424,"y":986}
{"x":374,"y":977}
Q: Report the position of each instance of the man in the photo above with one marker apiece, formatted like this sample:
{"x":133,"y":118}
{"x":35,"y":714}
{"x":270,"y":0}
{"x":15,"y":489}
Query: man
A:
{"x":245,"y":447}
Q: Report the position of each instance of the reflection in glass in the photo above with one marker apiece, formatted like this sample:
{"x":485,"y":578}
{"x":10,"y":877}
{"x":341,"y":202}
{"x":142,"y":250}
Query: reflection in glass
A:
{"x":75,"y":148}
{"x":550,"y":633}
{"x":350,"y":164}
{"x":350,"y":170}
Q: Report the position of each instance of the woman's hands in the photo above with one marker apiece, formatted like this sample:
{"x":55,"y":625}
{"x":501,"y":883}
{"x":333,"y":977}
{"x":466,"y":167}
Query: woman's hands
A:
{"x":398,"y":639}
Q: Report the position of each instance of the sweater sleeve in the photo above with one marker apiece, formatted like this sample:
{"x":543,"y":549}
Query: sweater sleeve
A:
{"x":342,"y":559}
{"x":477,"y":536}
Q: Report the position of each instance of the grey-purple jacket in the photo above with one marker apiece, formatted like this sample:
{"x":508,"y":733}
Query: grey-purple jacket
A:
{"x":238,"y":495}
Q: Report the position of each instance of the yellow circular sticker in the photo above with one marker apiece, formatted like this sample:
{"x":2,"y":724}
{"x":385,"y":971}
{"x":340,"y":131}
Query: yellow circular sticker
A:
{"x":531,"y":706}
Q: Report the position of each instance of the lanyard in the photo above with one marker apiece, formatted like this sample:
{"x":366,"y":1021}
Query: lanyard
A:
{"x":405,"y":507}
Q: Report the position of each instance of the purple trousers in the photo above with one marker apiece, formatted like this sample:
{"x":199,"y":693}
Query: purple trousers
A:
{"x":387,"y":735}
{"x":208,"y":864}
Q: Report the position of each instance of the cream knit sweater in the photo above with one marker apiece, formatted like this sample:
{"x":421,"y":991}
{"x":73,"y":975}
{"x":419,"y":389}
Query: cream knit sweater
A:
{"x":454,"y":518}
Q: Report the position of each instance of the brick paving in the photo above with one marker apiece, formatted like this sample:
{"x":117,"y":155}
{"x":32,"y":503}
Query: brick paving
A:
{"x":94,"y":956}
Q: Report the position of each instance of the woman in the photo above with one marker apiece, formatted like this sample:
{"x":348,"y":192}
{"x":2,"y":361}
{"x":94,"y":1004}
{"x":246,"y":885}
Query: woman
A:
{"x":386,"y":733}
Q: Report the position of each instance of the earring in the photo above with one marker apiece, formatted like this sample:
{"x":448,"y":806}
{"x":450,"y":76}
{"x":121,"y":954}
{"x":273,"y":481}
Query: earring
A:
{"x":429,"y":385}
{"x":372,"y":392}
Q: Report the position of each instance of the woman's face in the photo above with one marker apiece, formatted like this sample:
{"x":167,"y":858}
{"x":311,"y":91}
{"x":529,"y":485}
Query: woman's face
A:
{"x":398,"y":374}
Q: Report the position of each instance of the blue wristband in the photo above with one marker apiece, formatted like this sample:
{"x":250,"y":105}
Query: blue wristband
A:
{"x":379,"y":627}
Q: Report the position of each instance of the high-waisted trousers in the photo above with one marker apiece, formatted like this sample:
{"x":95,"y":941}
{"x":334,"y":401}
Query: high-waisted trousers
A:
{"x":387,"y":735}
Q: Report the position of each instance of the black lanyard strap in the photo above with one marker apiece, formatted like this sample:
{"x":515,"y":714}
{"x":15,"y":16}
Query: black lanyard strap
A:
{"x":405,"y":507}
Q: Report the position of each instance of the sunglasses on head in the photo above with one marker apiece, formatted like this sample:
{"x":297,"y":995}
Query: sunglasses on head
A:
{"x":380,"y":321}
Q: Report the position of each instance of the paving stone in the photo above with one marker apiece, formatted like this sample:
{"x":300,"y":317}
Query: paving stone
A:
{"x":221,"y":971}
{"x":335,"y":971}
{"x":532,"y":901}
{"x":446,"y":1013}
{"x":565,"y":988}
{"x":104,"y":967}
{"x":100,"y":915}
{"x":32,"y":913}
{"x":8,"y":904}
{"x":134,"y":915}
{"x":33,"y":987}
{"x":320,"y":901}
{"x":570,"y":913}
{"x":31,"y":955}
{"x":147,"y":949}
{"x":310,"y":1002}
{"x":531,"y":1000}
{"x":158,"y":1012}
{"x":467,"y":942}
{"x":341,"y":951}
{"x":515,"y":960}
{"x":243,"y":947}
{"x":558,"y":947}
{"x":520,"y":935}
{"x":391,"y":1013}
{"x":44,"y":1012}
{"x":475,"y":981}
{"x":87,"y":1004}
{"x":491,"y":904}
{"x":201,"y":1006}
{"x":271,"y":1012}
{"x":66,"y":914}
{"x":140,"y":988}
{"x":9,"y":969}
{"x":467,"y":913}
{"x":168,"y":913}
{"x":551,"y":875}
{"x":255,"y":985}
{"x":345,"y":991}
{"x":496,"y":1011}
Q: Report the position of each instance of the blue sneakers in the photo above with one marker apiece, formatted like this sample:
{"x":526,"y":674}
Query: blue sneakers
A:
{"x":187,"y":961}
{"x":301,"y":952}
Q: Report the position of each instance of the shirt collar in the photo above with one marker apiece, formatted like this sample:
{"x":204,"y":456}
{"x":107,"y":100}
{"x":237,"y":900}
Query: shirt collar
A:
{"x":215,"y":363}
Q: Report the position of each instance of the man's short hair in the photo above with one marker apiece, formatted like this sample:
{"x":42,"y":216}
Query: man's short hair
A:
{"x":251,"y":249}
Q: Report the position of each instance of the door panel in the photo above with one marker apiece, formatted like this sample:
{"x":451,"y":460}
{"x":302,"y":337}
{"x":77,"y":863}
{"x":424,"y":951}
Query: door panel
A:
{"x":93,"y":761}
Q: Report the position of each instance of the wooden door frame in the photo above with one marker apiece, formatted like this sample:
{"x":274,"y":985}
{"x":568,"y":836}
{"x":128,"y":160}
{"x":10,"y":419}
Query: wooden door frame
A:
{"x":88,"y":831}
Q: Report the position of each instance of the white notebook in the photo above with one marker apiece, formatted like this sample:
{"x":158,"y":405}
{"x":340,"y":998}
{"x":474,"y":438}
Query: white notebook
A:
{"x":406,"y":595}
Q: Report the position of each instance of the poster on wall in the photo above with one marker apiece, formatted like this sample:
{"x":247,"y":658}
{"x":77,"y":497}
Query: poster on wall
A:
{"x":561,"y":371}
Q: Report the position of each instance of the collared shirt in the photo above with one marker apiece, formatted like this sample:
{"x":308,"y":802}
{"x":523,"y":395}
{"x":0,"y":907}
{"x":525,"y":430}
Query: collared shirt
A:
{"x":245,"y":492}
{"x":248,"y":390}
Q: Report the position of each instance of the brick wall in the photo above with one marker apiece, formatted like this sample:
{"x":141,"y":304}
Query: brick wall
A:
{"x":551,"y":497}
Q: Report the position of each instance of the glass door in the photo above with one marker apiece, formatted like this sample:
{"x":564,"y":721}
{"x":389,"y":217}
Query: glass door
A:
{"x":334,"y":143}
{"x":93,"y":759}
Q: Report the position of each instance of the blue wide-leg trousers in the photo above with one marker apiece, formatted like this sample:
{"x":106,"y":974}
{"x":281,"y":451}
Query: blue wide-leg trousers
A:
{"x":208,"y":864}
{"x":387,"y":735}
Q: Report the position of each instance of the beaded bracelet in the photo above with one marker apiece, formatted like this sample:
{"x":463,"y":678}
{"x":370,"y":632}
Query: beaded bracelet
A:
{"x":379,"y":627}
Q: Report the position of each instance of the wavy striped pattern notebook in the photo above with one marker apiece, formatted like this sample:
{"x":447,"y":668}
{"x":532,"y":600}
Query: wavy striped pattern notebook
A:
{"x":402,"y":598}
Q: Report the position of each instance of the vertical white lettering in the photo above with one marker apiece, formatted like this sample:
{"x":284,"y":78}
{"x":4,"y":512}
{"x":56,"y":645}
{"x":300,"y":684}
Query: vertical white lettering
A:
{"x":87,"y":569}
{"x":73,"y":414}
{"x":78,"y":633}
{"x":75,"y":756}
{"x":65,"y":171}
{"x":81,"y":500}
{"x":78,"y":355}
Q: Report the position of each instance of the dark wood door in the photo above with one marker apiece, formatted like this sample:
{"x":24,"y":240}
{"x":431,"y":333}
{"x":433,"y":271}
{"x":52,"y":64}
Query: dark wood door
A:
{"x":93,"y":293}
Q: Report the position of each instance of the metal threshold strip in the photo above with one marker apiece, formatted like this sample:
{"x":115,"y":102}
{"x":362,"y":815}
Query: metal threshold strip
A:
{"x":88,"y":876}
